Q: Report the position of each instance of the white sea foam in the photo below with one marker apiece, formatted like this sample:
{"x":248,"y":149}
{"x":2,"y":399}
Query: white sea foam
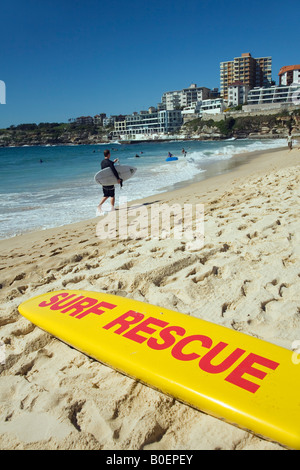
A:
{"x":224,"y":152}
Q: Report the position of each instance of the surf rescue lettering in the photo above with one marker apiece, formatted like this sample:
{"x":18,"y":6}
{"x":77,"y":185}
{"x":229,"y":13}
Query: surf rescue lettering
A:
{"x":135,"y":327}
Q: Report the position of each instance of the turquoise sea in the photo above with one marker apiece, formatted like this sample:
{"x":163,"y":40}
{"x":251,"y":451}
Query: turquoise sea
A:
{"x":43,"y":187}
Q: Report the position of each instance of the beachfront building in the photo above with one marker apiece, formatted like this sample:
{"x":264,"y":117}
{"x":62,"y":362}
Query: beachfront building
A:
{"x":196,"y":110}
{"x":148,"y":124}
{"x":289,"y":74}
{"x":110,"y":121}
{"x":214,"y":106}
{"x":172,"y":100}
{"x":253,"y":72}
{"x":191,"y":112}
{"x":237,"y":93}
{"x":273,"y":97}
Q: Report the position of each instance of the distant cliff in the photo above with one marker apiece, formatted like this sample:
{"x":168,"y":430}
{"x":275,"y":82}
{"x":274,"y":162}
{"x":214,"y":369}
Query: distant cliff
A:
{"x":262,"y":126}
{"x":52,"y":134}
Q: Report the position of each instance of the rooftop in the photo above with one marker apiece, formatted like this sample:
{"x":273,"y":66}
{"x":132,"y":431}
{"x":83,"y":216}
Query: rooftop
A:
{"x":288,"y":68}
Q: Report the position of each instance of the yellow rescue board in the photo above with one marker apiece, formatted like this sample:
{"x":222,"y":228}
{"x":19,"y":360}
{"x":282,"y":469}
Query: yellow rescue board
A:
{"x":230,"y":375}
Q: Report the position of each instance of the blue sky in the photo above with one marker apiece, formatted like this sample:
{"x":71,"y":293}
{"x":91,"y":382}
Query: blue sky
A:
{"x":62,"y":59}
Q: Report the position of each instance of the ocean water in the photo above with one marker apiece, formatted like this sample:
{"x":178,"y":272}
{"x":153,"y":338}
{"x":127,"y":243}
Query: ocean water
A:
{"x":43,"y":187}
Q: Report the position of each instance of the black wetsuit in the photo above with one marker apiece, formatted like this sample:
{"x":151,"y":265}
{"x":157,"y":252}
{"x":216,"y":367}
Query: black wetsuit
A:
{"x":109,"y":191}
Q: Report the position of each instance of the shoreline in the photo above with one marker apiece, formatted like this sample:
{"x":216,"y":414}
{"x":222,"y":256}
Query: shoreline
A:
{"x":223,"y":166}
{"x":150,"y":141}
{"x":245,"y":277}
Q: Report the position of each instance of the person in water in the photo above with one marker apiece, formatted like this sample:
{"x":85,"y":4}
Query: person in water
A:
{"x":109,"y":191}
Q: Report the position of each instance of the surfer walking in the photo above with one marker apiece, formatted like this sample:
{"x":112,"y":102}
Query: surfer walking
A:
{"x":109,"y":191}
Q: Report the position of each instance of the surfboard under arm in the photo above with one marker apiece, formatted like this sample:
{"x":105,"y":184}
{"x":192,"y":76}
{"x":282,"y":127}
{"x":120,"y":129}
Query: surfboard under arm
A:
{"x":106,"y":176}
{"x":232,"y":376}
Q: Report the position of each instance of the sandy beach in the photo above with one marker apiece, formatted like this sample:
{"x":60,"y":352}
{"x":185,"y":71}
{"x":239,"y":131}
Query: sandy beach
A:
{"x":245,"y":277}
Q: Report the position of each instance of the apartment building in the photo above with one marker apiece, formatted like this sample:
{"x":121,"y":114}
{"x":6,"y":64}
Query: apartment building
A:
{"x":178,"y":99}
{"x":251,"y":71}
{"x":200,"y":108}
{"x":212,"y":106}
{"x":84,"y":120}
{"x":98,"y":119}
{"x":237,"y":93}
{"x":274,"y":95}
{"x":149,"y":122}
{"x":191,"y":112}
{"x":289,"y":74}
{"x":110,"y":121}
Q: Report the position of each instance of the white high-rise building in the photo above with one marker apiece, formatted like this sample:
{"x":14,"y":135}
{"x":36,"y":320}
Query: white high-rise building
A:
{"x":182,"y":98}
{"x":237,"y":93}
